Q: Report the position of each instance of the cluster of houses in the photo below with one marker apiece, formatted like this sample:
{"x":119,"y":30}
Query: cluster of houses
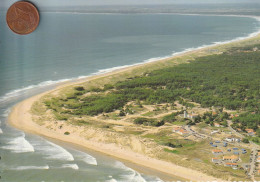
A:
{"x":180,"y":130}
{"x":229,"y":158}
{"x":229,"y":161}
{"x":218,"y":144}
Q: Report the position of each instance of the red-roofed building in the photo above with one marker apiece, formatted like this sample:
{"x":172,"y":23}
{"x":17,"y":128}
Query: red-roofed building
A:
{"x":217,"y":151}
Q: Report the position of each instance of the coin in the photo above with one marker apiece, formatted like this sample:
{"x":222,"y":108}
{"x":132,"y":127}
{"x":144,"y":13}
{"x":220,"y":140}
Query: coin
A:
{"x":22,"y":17}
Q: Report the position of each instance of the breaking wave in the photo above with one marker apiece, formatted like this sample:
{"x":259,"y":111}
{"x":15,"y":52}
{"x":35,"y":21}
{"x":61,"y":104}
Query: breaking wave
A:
{"x":19,"y":145}
{"x":52,"y":151}
{"x":129,"y":174}
{"x":72,"y":166}
{"x":88,"y":159}
{"x":19,"y":168}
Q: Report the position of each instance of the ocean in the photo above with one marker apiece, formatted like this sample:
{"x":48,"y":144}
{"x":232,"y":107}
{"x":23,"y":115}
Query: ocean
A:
{"x":67,"y":46}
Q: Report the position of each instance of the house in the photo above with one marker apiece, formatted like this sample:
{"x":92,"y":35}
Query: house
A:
{"x":244,"y":151}
{"x":225,"y":144}
{"x":258,"y":159}
{"x":232,"y":138}
{"x":217,"y":125}
{"x":214,"y":131}
{"x":232,"y":158}
{"x":250,"y":132}
{"x":216,"y":151}
{"x":185,"y":114}
{"x":214,"y":113}
{"x":215,"y":160}
{"x":233,"y":116}
{"x":233,"y":165}
{"x":258,"y":171}
{"x":175,"y":129}
{"x":236,"y":153}
{"x":258,"y":153}
{"x":235,"y":148}
{"x":191,"y":116}
{"x":180,"y":130}
{"x":214,"y":145}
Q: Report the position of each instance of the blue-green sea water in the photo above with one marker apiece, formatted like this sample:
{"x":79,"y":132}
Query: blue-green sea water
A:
{"x":67,"y":46}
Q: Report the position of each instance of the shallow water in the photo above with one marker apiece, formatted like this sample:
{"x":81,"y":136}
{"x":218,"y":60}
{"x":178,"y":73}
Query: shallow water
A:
{"x":67,"y":46}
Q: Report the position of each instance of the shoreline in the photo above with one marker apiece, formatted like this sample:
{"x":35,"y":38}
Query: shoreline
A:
{"x":21,"y":118}
{"x":143,"y":62}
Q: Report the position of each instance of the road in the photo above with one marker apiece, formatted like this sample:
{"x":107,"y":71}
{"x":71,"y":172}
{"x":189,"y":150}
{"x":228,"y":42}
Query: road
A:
{"x":253,"y":158}
{"x":194,"y":133}
{"x":254,"y":150}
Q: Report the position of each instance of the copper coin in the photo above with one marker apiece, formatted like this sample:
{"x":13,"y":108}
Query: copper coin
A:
{"x":22,"y":17}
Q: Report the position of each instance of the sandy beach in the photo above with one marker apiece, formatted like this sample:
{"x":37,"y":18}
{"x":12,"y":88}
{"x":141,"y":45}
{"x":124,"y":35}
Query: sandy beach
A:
{"x":21,"y":117}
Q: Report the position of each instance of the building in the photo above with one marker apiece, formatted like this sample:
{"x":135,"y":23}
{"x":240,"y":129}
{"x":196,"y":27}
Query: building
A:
{"x":214,"y":131}
{"x":216,"y":151}
{"x":192,"y":116}
{"x":233,"y":116}
{"x":255,"y":49}
{"x":214,"y":113}
{"x":243,"y":151}
{"x":232,"y":158}
{"x":180,"y":130}
{"x":215,"y":160}
{"x":225,"y":144}
{"x":250,"y":132}
{"x":233,"y":165}
{"x":217,"y":125}
{"x":232,"y":138}
{"x":175,"y":129}
{"x":258,"y":159}
{"x":185,"y":115}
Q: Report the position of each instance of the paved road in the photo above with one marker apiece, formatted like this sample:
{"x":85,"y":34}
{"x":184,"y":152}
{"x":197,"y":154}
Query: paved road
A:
{"x":234,"y":131}
{"x":198,"y":135}
{"x":254,"y":150}
{"x":252,"y":163}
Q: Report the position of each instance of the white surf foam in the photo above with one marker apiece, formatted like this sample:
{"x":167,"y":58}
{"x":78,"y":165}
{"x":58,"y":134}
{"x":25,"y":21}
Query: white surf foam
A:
{"x":6,"y":112}
{"x":19,"y":145}
{"x":72,"y":166}
{"x":84,"y":157}
{"x":111,"y":180}
{"x":29,"y":167}
{"x":131,"y":175}
{"x":1,"y":131}
{"x":20,"y":91}
{"x":51,"y":150}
